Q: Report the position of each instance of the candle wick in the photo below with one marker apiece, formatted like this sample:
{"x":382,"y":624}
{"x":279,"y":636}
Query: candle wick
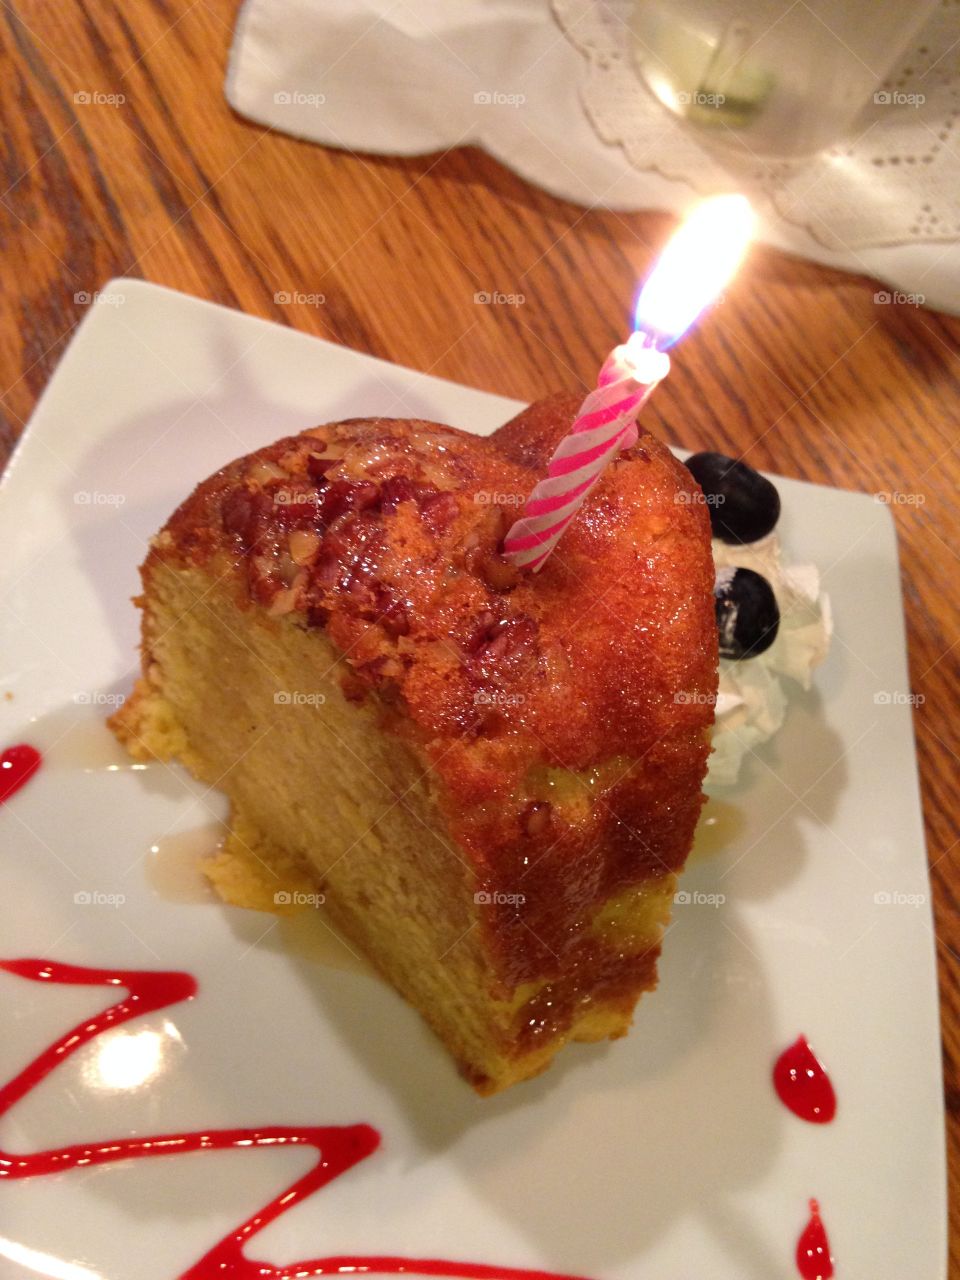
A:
{"x":643,"y":340}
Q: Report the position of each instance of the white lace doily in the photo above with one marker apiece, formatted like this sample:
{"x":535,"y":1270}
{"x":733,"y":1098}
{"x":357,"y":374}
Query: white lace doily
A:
{"x":896,"y":182}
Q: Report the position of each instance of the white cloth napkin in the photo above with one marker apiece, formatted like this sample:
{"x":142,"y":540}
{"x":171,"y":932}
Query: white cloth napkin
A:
{"x":408,"y":77}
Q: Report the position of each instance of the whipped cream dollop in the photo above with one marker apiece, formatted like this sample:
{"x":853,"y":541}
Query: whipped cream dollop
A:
{"x":753,"y":692}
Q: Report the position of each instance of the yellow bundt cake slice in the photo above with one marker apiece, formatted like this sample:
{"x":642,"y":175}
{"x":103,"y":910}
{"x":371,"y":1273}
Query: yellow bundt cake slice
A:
{"x":492,"y":777}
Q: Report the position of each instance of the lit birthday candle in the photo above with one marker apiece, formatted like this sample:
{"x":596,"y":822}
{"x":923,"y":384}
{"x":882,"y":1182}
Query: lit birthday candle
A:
{"x":699,"y":259}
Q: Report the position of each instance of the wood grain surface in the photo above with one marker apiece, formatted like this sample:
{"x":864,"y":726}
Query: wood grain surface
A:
{"x":800,"y":370}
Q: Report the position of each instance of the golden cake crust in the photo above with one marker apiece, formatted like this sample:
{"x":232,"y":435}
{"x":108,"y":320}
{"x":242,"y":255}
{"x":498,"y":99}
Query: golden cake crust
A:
{"x":525,"y":693}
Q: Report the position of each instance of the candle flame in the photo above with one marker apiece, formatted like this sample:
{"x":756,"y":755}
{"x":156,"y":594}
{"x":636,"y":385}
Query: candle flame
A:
{"x":700,"y":258}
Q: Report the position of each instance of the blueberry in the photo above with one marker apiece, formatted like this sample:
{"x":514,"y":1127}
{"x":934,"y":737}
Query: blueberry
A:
{"x":743,"y":504}
{"x":747,"y":614}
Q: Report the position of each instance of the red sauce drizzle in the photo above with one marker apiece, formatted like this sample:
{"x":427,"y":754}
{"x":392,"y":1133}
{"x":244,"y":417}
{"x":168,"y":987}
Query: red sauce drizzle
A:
{"x":17,"y":766}
{"x":338,"y":1147}
{"x":814,"y":1260}
{"x":802,"y":1084}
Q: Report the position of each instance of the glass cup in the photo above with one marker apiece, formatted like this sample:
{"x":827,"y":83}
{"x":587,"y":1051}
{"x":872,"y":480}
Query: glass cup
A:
{"x":779,"y":80}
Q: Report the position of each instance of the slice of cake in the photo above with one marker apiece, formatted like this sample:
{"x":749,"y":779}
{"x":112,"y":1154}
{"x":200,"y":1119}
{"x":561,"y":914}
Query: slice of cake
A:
{"x":492,"y":777}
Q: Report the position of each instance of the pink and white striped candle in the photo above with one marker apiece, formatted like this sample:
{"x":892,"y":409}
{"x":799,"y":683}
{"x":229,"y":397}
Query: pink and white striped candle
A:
{"x":698,"y":261}
{"x":605,"y":425}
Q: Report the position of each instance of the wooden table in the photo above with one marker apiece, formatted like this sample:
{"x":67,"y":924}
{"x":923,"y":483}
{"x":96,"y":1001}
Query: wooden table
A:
{"x":801,"y":371}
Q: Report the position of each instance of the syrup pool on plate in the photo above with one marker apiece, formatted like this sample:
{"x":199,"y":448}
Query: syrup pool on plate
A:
{"x":77,"y":737}
{"x":173,"y":863}
{"x":174,"y":871}
{"x":721,"y":824}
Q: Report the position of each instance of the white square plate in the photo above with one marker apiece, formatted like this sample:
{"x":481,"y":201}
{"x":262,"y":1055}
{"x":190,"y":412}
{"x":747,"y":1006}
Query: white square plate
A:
{"x":663,"y":1157}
